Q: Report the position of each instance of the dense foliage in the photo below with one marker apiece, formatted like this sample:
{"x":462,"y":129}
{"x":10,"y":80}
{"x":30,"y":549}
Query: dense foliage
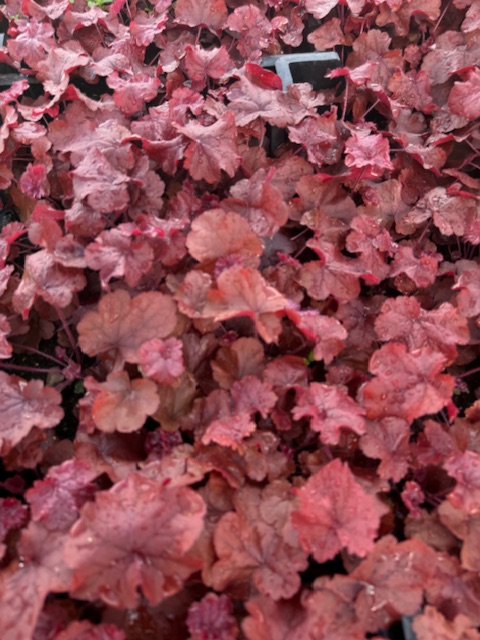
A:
{"x":237,"y":386}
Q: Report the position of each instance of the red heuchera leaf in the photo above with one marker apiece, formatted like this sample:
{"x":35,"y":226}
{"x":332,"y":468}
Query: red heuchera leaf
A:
{"x":452,"y":215}
{"x":44,"y":228}
{"x":230,"y":431}
{"x":248,"y":102}
{"x":24,"y":405}
{"x":146,"y":27}
{"x":413,"y":89}
{"x":432,"y":625}
{"x":8,"y":235}
{"x":5,"y":346}
{"x":413,"y":497}
{"x":211,"y":619}
{"x":468,"y":298}
{"x":70,"y":253}
{"x":122,"y":324}
{"x":464,"y":97}
{"x":191,"y":295}
{"x":52,"y":9}
{"x":115,"y":254}
{"x":358,"y":317}
{"x":465,"y":468}
{"x":251,"y":395}
{"x":328,"y":35}
{"x":328,"y":333}
{"x":85,"y":630}
{"x":103,"y":186}
{"x":44,"y":278}
{"x":254,"y":28}
{"x":12,"y":93}
{"x":213,"y":147}
{"x":82,"y":220}
{"x":257,"y":546}
{"x":332,"y":612}
{"x":55,"y":69}
{"x":123,"y":404}
{"x":260,"y":202}
{"x":435,"y":444}
{"x":31,"y":42}
{"x":374,"y":45}
{"x":320,"y":8}
{"x":78,"y":131}
{"x":320,"y":137}
{"x":286,"y":372}
{"x":374,"y":244}
{"x":162,"y":360}
{"x":270,"y":620}
{"x":203,"y":63}
{"x":404,"y":319}
{"x":472,"y":19}
{"x":369,"y":153}
{"x":335,"y":513}
{"x":244,"y":357}
{"x":25,"y":585}
{"x":464,"y":526}
{"x":134,"y":536}
{"x":422,"y":269}
{"x":211,"y":13}
{"x":383,"y":202}
{"x":263,"y":77}
{"x":333,"y":274}
{"x":56,"y":500}
{"x":160,"y":139}
{"x":388,"y":440}
{"x":216,"y":233}
{"x":34,"y":182}
{"x":131,"y":94}
{"x":393,"y":579}
{"x":13,"y":514}
{"x":330,"y":408}
{"x":407,"y":385}
{"x":243,"y":292}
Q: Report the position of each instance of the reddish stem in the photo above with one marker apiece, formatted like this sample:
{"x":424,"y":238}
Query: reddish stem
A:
{"x":69,"y":334}
{"x":40,"y":353}
{"x":19,"y":367}
{"x":468,"y":373}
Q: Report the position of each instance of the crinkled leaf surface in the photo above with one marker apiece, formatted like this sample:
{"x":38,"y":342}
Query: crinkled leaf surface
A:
{"x":406,"y":384}
{"x":213,"y":148}
{"x":24,"y":405}
{"x":134,"y":536}
{"x":329,"y":409}
{"x":257,"y":543}
{"x":334,"y":513}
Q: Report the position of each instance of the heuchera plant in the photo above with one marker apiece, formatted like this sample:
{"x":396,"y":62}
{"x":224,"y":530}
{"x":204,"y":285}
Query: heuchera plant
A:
{"x":238,"y":391}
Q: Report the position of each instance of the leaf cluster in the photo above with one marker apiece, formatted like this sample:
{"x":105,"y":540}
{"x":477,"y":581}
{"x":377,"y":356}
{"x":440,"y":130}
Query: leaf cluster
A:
{"x":239,"y":323}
